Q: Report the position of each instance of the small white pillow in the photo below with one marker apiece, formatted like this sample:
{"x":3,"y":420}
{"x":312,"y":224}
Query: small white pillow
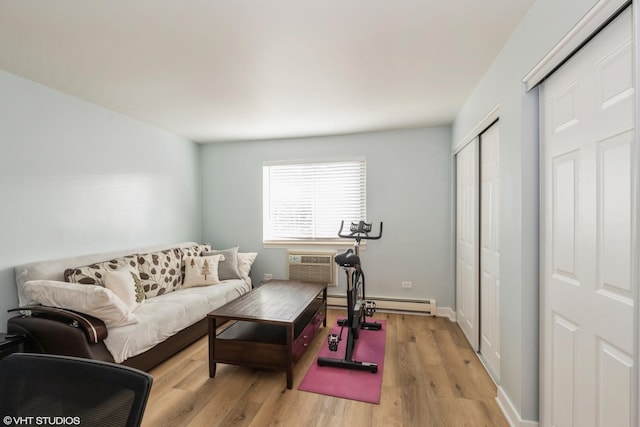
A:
{"x":245,"y":261}
{"x":126,"y":284}
{"x":93,"y":300}
{"x":201,"y":270}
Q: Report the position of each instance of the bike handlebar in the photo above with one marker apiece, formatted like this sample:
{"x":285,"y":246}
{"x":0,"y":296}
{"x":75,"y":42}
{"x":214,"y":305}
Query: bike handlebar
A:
{"x":360,"y":231}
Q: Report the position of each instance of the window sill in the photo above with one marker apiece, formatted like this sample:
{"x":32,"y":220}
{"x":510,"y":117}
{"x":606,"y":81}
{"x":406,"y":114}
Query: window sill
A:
{"x":310,"y":243}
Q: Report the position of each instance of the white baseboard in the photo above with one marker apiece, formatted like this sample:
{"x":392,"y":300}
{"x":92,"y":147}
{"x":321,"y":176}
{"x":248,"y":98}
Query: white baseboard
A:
{"x":447,"y":312}
{"x":511,"y":414}
{"x":416,"y":307}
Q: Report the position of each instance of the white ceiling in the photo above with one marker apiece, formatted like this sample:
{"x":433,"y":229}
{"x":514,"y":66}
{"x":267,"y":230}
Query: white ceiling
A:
{"x":223,"y":70}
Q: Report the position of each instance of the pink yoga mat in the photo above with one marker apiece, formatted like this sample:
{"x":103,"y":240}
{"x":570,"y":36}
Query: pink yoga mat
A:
{"x":346,"y":383}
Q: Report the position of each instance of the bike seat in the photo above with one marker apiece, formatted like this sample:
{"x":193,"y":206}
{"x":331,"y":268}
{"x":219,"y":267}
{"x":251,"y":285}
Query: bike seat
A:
{"x":347,"y":259}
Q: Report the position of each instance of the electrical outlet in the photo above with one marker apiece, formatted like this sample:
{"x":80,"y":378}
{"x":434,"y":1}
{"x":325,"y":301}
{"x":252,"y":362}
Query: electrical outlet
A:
{"x":406,"y":284}
{"x":267,"y":277}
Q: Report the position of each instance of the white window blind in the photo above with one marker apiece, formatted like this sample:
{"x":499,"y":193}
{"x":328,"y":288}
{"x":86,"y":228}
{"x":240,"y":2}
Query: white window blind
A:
{"x":307,"y":201}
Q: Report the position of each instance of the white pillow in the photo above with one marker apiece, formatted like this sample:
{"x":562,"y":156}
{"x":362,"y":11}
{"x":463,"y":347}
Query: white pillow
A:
{"x":245,"y":261}
{"x":126,"y":284}
{"x":93,"y":300}
{"x":201,"y":270}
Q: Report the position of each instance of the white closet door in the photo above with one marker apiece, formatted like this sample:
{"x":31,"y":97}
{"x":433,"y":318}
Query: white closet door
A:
{"x":467,"y":309}
{"x":588,"y":210}
{"x":490,"y":249}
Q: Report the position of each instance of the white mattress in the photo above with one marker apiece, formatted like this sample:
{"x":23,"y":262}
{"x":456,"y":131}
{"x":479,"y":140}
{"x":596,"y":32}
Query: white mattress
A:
{"x":163,"y":316}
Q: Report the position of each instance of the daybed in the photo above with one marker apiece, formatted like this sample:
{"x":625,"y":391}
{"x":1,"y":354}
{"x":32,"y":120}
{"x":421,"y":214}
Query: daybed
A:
{"x":136,"y":308}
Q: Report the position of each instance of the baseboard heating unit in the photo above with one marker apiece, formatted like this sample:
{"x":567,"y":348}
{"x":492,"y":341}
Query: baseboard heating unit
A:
{"x":427,"y":307}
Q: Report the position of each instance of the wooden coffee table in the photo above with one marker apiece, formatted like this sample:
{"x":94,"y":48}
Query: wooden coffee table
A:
{"x":272,"y":326}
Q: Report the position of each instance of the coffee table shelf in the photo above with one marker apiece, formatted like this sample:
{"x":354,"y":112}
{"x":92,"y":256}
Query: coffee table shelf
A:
{"x":272,"y":326}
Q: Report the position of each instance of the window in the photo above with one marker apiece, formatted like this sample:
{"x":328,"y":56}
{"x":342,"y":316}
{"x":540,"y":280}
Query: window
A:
{"x":306,"y":201}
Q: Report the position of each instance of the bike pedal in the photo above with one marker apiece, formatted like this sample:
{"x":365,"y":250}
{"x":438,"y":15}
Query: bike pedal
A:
{"x":369,"y":308}
{"x":333,"y":340}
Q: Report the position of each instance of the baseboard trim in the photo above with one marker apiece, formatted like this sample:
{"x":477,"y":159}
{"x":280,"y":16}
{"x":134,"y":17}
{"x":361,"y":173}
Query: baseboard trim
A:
{"x":447,"y":312}
{"x":510,"y":412}
{"x":415,"y":307}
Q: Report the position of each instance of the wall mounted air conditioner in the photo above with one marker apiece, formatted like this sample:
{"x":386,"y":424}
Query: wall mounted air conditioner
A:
{"x":312,"y":267}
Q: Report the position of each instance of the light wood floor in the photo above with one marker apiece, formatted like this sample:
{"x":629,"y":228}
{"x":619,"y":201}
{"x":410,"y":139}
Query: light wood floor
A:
{"x":431,"y":378}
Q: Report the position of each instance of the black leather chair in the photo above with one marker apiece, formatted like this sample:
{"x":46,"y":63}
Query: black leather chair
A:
{"x":61,"y":390}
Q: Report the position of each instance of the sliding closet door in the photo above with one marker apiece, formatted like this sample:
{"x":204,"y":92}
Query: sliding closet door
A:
{"x":490,"y":249}
{"x":588,"y":183}
{"x":467,"y":215}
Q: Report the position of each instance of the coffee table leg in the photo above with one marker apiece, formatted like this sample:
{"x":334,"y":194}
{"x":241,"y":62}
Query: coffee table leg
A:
{"x":212,"y":347}
{"x":324,"y":297}
{"x":290,"y":356}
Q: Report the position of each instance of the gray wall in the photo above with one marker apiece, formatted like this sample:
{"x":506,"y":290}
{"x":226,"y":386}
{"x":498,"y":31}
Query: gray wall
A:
{"x":78,"y":179}
{"x":408,"y":187}
{"x":544,"y":25}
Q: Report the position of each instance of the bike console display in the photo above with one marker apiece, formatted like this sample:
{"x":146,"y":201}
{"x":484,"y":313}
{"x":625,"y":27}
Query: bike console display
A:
{"x":359,"y":231}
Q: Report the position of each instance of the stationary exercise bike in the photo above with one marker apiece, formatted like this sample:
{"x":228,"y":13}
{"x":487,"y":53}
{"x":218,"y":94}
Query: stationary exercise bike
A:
{"x":357,"y":307}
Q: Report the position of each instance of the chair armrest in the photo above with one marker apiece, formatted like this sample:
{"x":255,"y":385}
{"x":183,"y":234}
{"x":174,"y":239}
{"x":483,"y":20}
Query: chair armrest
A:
{"x":94,"y":328}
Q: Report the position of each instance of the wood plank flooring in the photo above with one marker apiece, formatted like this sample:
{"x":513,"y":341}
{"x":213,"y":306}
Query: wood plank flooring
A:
{"x":431,"y":378}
